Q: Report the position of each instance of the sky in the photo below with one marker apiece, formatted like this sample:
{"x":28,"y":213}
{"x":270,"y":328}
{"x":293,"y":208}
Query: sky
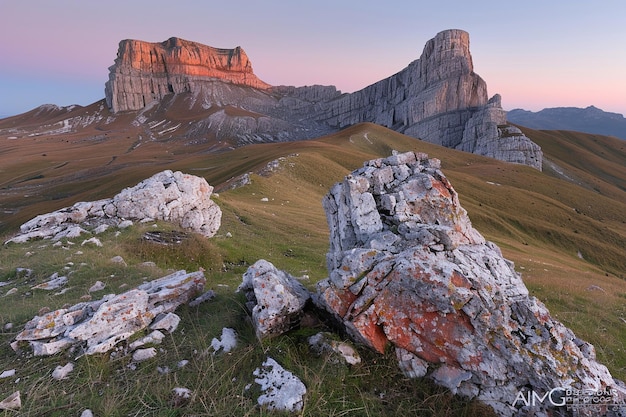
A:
{"x":535,"y":53}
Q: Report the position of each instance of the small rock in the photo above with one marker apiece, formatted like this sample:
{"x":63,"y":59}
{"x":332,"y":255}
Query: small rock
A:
{"x":86,"y":413}
{"x":228,"y":341}
{"x":181,"y":396}
{"x":92,"y":241}
{"x":118,"y":260}
{"x":141,"y":355}
{"x":7,"y":374}
{"x":323,"y":343}
{"x":209,"y":295}
{"x":153,"y":338}
{"x":282,"y":390}
{"x":182,"y":364}
{"x":11,"y":291}
{"x":12,"y":402}
{"x":54,"y":281}
{"x":148,"y":264}
{"x":125,"y":224}
{"x":8,"y":326}
{"x":229,"y":235}
{"x":98,"y":286}
{"x":168,"y":322}
{"x":61,"y":372}
{"x":265,"y":199}
{"x":101,"y":229}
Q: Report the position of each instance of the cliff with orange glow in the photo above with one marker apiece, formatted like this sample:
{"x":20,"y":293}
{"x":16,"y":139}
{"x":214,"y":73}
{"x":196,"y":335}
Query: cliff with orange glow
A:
{"x":144,"y":71}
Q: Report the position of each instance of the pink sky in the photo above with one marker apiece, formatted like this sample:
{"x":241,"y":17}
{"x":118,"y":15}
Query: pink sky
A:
{"x":534,"y":54}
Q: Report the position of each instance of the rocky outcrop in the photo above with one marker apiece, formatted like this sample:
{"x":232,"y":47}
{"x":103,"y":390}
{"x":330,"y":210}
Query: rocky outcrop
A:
{"x":407,"y":271}
{"x":275,"y":299}
{"x":437,"y":98}
{"x":98,"y":326}
{"x":144,"y":71}
{"x":170,"y":196}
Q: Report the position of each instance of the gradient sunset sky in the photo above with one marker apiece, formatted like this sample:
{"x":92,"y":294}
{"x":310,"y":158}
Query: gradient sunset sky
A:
{"x":536,"y":54}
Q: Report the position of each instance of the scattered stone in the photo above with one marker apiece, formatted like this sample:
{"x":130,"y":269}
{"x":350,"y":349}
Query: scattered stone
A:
{"x":182,"y":364}
{"x":119,"y":260}
{"x":11,"y":291}
{"x":141,"y":355}
{"x":275,"y":298}
{"x":13,"y":402}
{"x":97,"y":326}
{"x":148,"y":264}
{"x":92,"y":241}
{"x":61,"y":372}
{"x":87,"y":413}
{"x":181,"y":396}
{"x":229,"y":235}
{"x":54,"y":281}
{"x":7,"y":374}
{"x":265,"y":199}
{"x":8,"y":326}
{"x":101,"y":229}
{"x":155,"y":337}
{"x":282,"y":390}
{"x":209,"y":295}
{"x":407,"y":271}
{"x":227,"y":342}
{"x":98,"y":286}
{"x":163,"y":370}
{"x":125,"y":224}
{"x":166,"y":321}
{"x":170,"y":196}
{"x":323,"y":343}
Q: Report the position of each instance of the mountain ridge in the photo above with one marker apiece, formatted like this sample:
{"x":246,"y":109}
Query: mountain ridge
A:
{"x":588,"y":120}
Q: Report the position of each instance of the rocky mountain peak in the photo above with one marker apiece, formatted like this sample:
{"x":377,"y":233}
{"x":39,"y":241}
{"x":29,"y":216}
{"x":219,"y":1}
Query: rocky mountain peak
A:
{"x":448,"y":50}
{"x":144,"y":71}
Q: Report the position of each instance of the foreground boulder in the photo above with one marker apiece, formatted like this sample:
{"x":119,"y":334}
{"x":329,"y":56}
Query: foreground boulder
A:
{"x":182,"y":199}
{"x":408,"y":271}
{"x":97,"y":326}
{"x":275,"y":298}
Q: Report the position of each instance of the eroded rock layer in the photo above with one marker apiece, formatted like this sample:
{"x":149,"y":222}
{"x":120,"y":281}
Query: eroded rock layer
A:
{"x":408,"y":271}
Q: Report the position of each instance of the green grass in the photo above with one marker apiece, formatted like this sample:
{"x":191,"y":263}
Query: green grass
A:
{"x":539,"y":220}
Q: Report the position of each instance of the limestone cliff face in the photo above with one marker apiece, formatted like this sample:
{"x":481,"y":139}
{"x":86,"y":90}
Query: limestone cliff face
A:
{"x":437,"y":98}
{"x":440,"y":99}
{"x":145,"y":71}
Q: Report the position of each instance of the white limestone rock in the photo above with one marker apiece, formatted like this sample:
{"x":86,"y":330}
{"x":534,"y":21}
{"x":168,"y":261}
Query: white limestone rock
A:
{"x":141,"y":355}
{"x":227,"y":342}
{"x":13,"y":402}
{"x":275,"y":298}
{"x":282,"y":390}
{"x":174,"y":197}
{"x":97,"y":326}
{"x":62,"y":372}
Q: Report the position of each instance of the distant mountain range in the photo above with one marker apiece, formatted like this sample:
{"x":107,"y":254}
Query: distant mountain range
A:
{"x":588,"y":120}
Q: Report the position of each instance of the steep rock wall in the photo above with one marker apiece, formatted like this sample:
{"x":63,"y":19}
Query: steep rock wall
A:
{"x":145,"y":71}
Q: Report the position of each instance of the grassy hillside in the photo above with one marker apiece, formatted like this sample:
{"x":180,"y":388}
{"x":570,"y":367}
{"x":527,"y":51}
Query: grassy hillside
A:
{"x":566,"y":236}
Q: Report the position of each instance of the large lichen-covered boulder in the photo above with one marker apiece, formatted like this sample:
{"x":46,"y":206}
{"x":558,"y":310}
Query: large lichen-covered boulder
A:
{"x":408,"y":271}
{"x":175,"y":197}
